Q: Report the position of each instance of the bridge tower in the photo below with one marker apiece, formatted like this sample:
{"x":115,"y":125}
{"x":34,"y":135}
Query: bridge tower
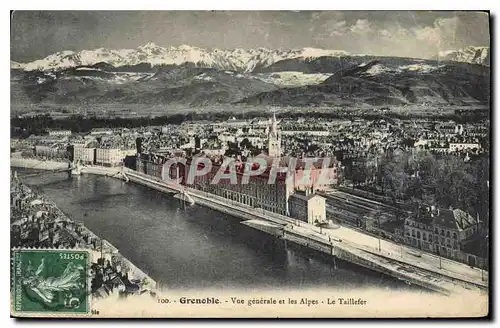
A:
{"x":75,"y":168}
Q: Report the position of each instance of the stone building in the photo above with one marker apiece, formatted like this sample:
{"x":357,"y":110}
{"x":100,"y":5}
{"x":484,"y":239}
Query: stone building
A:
{"x":108,"y":156}
{"x":308,"y":207}
{"x":84,"y":155}
{"x":255,"y":192}
{"x":447,"y":232}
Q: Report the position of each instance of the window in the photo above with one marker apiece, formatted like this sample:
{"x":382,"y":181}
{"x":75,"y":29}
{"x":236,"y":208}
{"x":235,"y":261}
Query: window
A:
{"x":454,"y":235}
{"x":424,"y":236}
{"x":418,"y":234}
{"x":442,"y":232}
{"x":430,"y":237}
{"x":436,"y":230}
{"x":448,"y":234}
{"x":413,"y":232}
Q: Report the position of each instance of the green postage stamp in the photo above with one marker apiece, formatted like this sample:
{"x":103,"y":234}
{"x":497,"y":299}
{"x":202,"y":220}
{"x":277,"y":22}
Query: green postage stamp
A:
{"x":46,"y":281}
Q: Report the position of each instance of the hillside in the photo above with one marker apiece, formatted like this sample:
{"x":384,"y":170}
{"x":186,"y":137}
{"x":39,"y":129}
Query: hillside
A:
{"x":384,"y":82}
{"x":153,"y":75}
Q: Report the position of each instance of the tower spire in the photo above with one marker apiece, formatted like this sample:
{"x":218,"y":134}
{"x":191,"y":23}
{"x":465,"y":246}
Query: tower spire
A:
{"x":274,"y":125}
{"x":274,"y":139}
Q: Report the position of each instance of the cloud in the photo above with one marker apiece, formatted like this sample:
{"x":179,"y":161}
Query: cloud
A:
{"x":362,"y":27}
{"x":428,"y":34}
{"x":384,"y":33}
{"x":327,"y":23}
{"x":336,"y":28}
{"x":407,"y":34}
{"x":443,"y":31}
{"x":35,"y":35}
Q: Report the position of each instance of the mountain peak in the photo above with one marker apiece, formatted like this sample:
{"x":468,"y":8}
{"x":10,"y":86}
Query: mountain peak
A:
{"x":149,"y":46}
{"x":471,"y":54}
{"x":316,"y":52}
{"x":186,"y":47}
{"x":243,"y":60}
{"x":16,"y":65}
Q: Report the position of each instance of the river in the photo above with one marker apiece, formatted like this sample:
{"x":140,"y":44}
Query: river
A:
{"x":195,"y":247}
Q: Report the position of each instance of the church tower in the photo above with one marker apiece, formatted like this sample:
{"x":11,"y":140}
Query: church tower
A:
{"x":274,"y":139}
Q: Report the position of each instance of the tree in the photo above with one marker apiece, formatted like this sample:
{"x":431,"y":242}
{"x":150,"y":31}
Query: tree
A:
{"x":245,"y":144}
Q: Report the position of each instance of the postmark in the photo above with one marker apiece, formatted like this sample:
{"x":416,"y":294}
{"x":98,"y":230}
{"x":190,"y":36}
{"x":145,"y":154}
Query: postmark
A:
{"x":50,"y":281}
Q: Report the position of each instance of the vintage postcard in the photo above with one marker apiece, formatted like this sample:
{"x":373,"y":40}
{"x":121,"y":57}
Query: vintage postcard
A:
{"x":250,"y":164}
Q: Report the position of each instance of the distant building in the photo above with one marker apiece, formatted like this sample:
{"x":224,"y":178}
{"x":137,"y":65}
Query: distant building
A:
{"x":459,"y":129}
{"x":101,"y":131}
{"x":316,"y":177}
{"x":448,"y":128}
{"x":151,"y":164}
{"x":463,"y":146}
{"x":50,"y":151}
{"x":109,"y":156}
{"x":233,"y":122}
{"x":307,"y":207}
{"x":313,"y":133}
{"x":255,"y":140}
{"x":59,"y":132}
{"x":84,"y":155}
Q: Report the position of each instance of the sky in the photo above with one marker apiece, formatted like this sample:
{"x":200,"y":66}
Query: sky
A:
{"x":420,"y":34}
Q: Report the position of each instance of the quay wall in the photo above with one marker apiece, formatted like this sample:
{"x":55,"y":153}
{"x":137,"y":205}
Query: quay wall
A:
{"x":360,"y":260}
{"x":345,"y":253}
{"x":105,"y":171}
{"x":271,"y":229}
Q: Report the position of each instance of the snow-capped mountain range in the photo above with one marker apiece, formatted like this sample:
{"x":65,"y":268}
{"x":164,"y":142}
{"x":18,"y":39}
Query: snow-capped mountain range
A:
{"x":185,"y":75}
{"x":472,"y":55}
{"x":236,"y":59}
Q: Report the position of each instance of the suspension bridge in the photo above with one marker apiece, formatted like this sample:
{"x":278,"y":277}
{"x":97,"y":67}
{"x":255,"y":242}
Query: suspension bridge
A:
{"x":73,"y":168}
